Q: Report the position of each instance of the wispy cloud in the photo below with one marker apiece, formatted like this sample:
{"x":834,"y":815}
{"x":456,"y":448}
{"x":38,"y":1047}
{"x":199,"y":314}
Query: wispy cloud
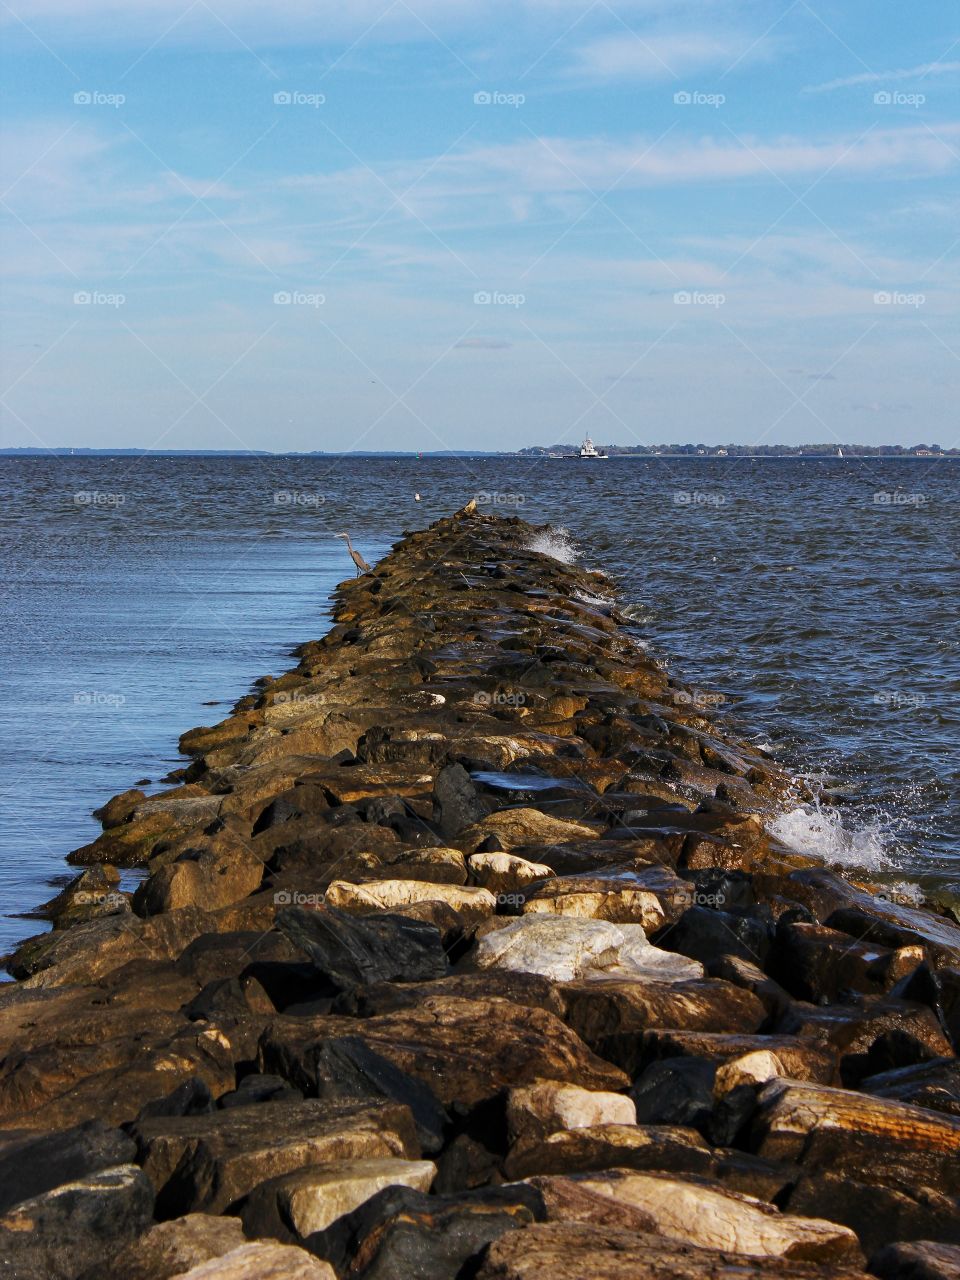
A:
{"x":657,"y":56}
{"x":921,"y":72}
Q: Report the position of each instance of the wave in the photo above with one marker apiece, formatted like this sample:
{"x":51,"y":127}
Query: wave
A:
{"x":556,"y":543}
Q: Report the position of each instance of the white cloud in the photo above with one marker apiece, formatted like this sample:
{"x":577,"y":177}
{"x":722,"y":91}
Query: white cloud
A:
{"x":884,"y":77}
{"x":657,"y":56}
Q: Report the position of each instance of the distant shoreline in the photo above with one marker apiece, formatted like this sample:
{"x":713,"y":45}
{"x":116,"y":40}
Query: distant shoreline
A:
{"x":684,"y":453}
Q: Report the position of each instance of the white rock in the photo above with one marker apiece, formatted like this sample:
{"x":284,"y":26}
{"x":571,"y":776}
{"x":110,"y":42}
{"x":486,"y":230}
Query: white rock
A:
{"x":566,"y":948}
{"x":471,"y":902}
{"x":310,"y":1201}
{"x":750,"y":1068}
{"x":506,"y":872}
{"x":537,"y":1110}
{"x":262,"y":1262}
{"x":713,"y":1219}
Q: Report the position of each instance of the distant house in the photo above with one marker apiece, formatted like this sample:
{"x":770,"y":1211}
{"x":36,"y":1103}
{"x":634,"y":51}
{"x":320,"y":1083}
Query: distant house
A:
{"x":927,"y":453}
{"x":721,"y":453}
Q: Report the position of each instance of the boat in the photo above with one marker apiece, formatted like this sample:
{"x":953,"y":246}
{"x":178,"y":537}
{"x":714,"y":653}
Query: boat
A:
{"x":588,"y":450}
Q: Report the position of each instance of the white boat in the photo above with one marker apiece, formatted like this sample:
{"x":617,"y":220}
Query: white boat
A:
{"x":588,"y":450}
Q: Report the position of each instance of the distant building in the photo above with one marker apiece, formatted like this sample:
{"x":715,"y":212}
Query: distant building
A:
{"x":721,"y":453}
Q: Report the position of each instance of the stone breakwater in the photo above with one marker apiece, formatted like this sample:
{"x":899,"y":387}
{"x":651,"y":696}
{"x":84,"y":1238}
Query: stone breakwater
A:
{"x":463,"y":951}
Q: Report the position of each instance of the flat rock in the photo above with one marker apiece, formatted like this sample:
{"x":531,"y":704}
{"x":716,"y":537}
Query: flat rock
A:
{"x":471,"y":903}
{"x":565,"y":948}
{"x":465,"y":1050}
{"x":573,"y":1251}
{"x":506,"y":873}
{"x":693,"y":1212}
{"x":934,"y":1084}
{"x":650,"y":897}
{"x":523,"y":828}
{"x":607,"y":1146}
{"x":205,"y":1163}
{"x":350,"y":950}
{"x":311,"y":1200}
{"x":874,"y":1139}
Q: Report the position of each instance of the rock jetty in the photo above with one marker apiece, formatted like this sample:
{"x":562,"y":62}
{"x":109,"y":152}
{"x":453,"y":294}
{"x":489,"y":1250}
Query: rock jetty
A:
{"x":462,"y":950}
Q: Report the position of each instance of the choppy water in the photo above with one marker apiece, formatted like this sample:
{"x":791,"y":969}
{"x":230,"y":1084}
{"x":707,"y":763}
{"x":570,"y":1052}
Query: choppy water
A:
{"x":819,"y":597}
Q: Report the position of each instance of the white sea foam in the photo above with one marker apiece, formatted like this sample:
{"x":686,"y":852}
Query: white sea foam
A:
{"x":556,"y":543}
{"x":820,"y":831}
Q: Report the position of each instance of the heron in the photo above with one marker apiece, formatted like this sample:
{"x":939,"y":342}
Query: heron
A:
{"x":355,"y":556}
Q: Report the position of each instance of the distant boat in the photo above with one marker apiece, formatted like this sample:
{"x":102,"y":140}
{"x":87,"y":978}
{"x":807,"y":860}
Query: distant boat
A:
{"x":588,"y":450}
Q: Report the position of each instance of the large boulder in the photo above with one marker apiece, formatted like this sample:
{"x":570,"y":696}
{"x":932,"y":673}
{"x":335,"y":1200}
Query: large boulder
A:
{"x":169,"y":1248}
{"x":205,"y":1163}
{"x":350,"y":950}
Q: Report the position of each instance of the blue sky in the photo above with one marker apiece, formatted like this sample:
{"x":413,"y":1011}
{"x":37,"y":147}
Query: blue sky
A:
{"x":446,"y":224}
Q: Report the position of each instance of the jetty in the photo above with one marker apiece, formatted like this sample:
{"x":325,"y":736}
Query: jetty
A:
{"x":463,"y":951}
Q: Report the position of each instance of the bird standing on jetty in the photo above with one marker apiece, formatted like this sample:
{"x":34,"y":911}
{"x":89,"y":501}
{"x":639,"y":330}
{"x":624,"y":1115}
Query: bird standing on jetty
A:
{"x":355,"y":556}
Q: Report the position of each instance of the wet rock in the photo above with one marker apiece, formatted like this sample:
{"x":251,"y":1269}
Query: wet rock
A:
{"x":871,"y":1139}
{"x":206,"y":1163}
{"x":566,"y":948}
{"x":310,"y":1200}
{"x":61,"y":1232}
{"x":570,"y":1251}
{"x":465,"y":1050}
{"x":119,"y":808}
{"x":537,"y":1110}
{"x":261,"y":1262}
{"x":923,"y":1260}
{"x":170,"y":1248}
{"x":349,"y":950}
{"x":471,"y":904}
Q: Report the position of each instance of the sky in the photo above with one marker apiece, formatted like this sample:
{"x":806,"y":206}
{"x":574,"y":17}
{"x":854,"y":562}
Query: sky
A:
{"x":455,"y":225}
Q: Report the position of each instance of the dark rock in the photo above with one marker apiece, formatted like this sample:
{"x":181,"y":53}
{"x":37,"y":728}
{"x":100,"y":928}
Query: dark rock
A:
{"x":58,"y":1234}
{"x":192,"y":1098}
{"x":705,"y":934}
{"x":354,"y":950}
{"x":32,"y":1164}
{"x":822,"y":965}
{"x":402,"y":1232}
{"x":934,"y":1084}
{"x":677,"y":1091}
{"x":878,"y":1214}
{"x":255,"y":1088}
{"x":458,"y":800}
{"x":171,"y":1248}
{"x":924,"y":1260}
